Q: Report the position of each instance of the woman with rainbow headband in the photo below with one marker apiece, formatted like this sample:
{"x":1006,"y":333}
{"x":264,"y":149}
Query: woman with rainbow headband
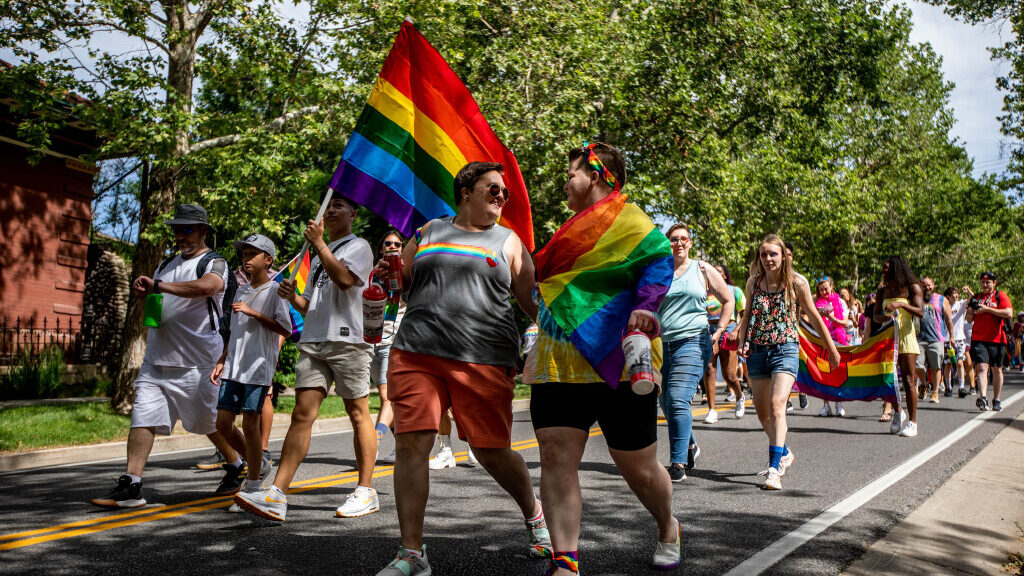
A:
{"x":769,"y":339}
{"x":603,"y":274}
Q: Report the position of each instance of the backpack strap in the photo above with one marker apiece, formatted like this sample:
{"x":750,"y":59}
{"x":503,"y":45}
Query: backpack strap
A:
{"x":165,"y":262}
{"x":211,"y":306}
{"x":319,"y":270}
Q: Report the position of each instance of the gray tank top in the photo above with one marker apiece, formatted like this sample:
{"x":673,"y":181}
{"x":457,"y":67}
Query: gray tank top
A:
{"x":459,"y":300}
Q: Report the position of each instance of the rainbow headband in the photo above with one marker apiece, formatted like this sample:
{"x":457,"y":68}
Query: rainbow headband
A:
{"x":596,"y":164}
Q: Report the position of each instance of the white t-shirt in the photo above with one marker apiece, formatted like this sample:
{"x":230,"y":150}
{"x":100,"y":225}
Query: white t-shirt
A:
{"x":336,"y":315}
{"x":252,"y":349}
{"x":186,"y":338}
{"x":959,"y":309}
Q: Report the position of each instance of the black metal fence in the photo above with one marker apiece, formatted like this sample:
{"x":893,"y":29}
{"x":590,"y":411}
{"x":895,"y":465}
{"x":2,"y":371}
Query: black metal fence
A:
{"x":33,"y":337}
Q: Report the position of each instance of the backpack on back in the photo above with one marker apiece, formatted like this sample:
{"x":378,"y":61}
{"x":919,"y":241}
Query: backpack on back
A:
{"x":220,"y":323}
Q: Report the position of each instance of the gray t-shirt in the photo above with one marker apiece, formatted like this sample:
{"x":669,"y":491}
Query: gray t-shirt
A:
{"x":336,"y":315}
{"x":460,"y":297}
{"x":252,"y":349}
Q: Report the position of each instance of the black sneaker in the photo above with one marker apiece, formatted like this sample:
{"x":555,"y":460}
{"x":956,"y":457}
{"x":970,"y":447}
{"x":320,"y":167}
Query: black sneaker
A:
{"x":676,"y":473}
{"x":997,"y":405}
{"x":233,"y":477}
{"x":803,"y":401}
{"x":963,"y":392}
{"x":215,"y":461}
{"x":982,"y":404}
{"x":789,"y":405}
{"x":691,"y":455}
{"x":949,"y":392}
{"x":124,"y":495}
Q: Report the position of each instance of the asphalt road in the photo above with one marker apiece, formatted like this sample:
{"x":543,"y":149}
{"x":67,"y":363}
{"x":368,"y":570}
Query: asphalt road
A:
{"x":47,"y":525}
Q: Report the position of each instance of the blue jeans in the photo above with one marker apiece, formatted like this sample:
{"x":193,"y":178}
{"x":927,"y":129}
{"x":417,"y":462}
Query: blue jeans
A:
{"x":682,"y":371}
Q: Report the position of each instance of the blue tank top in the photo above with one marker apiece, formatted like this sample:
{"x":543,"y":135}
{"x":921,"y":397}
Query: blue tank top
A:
{"x":683,"y":312}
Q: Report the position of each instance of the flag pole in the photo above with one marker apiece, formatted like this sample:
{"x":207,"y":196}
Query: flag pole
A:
{"x":319,"y":217}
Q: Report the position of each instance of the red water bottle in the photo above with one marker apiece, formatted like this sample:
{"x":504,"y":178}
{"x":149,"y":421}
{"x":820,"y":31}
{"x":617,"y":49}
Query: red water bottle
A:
{"x":375,"y":299}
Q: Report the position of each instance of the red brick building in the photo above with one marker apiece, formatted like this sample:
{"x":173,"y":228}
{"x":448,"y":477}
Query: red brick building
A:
{"x":45,"y":216}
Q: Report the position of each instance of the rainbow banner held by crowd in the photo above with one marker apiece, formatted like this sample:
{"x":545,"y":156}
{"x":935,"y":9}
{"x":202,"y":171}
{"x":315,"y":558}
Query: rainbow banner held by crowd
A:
{"x":866,"y":371}
{"x":297,"y":270}
{"x":420,"y":126}
{"x":599,"y":266}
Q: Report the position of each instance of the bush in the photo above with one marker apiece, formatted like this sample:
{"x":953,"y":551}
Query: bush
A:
{"x":286,"y":359}
{"x":34,"y":377}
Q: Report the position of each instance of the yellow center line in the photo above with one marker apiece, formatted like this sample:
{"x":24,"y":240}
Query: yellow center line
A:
{"x":94,"y":525}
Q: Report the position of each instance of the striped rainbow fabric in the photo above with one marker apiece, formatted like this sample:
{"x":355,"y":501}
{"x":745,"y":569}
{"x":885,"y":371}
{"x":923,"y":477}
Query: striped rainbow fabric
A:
{"x":418,"y":129}
{"x":867,"y":371}
{"x":299,"y":271}
{"x":599,"y":266}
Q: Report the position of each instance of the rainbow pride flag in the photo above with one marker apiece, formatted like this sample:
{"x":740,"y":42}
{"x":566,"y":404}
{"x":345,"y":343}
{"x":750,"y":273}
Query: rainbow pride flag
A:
{"x":297,"y":269}
{"x":418,"y":129}
{"x":867,"y":371}
{"x":599,"y":266}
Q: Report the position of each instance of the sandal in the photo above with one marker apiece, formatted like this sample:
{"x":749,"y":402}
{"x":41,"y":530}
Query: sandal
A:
{"x":885,"y":417}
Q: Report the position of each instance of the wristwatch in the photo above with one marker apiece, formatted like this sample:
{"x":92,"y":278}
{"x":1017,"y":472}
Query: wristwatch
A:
{"x":156,"y":286}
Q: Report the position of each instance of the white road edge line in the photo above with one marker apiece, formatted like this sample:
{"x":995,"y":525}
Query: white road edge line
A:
{"x":782,"y":547}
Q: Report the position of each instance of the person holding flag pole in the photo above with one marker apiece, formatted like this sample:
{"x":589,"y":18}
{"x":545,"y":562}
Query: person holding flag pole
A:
{"x":331,"y":351}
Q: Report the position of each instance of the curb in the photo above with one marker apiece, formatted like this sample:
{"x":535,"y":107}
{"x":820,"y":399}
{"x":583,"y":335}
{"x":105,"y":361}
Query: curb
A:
{"x":177,"y":442}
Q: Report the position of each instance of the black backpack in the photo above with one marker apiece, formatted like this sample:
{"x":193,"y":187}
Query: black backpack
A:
{"x":222,"y":323}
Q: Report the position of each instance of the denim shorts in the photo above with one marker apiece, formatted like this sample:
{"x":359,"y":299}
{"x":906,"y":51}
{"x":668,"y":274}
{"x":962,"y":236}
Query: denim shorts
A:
{"x":236,"y":397}
{"x":764,"y":361}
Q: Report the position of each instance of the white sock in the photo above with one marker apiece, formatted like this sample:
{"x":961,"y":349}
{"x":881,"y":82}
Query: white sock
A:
{"x":237,"y":462}
{"x":446,"y":441}
{"x":277,"y":492}
{"x":135,"y":479}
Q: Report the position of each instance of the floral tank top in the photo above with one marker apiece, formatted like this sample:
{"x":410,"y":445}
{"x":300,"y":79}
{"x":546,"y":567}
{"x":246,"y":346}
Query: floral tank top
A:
{"x":770,"y":320}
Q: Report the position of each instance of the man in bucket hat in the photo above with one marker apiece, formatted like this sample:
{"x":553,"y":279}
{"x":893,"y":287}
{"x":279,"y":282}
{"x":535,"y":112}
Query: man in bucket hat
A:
{"x":183,"y":345}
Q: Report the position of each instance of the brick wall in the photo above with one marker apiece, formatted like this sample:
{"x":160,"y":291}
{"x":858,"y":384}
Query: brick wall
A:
{"x":45,"y":214}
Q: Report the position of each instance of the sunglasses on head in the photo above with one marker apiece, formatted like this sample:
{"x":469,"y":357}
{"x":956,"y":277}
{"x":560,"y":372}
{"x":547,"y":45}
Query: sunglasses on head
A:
{"x":496,"y":189}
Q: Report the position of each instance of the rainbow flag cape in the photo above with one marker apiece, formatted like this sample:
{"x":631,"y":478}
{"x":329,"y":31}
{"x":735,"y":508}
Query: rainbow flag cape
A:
{"x":867,"y":371}
{"x":418,"y":129}
{"x":299,"y":271}
{"x":599,"y":266}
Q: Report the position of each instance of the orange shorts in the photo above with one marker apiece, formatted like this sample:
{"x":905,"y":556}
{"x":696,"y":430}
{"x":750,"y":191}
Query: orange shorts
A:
{"x":421,"y":387}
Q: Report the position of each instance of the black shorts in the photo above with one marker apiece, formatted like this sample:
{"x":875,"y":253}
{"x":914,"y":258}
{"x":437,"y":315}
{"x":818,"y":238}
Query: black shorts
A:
{"x":629,"y":421}
{"x":991,"y":353}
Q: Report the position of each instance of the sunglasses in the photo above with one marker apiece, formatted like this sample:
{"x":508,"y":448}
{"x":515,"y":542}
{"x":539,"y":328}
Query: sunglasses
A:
{"x":183,"y":229}
{"x":395,"y":243}
{"x":496,"y":190}
{"x":679,"y":240}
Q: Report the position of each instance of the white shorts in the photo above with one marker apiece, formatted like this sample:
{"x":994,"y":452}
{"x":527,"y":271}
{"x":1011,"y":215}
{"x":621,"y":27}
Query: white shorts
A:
{"x":165,"y":394}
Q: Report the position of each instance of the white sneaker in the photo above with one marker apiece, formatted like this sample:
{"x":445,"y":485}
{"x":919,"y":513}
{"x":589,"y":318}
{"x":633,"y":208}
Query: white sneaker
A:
{"x":471,"y":458}
{"x":711,"y":418}
{"x":730,"y":397}
{"x":741,"y":407}
{"x":406,"y":564}
{"x":909,"y":430}
{"x":444,"y":459}
{"x":389,"y":459}
{"x":360,"y":502}
{"x":666,"y":554}
{"x":896,"y":424}
{"x":840,"y":411}
{"x":772,"y":479}
{"x":271,"y":503}
{"x":786,"y":461}
{"x":826,"y":410}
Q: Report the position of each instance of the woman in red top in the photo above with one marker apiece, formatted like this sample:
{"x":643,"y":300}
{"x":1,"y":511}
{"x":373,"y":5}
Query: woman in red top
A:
{"x":988,"y":309}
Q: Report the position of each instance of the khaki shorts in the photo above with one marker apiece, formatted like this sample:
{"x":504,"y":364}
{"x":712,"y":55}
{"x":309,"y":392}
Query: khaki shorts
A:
{"x":343,"y":364}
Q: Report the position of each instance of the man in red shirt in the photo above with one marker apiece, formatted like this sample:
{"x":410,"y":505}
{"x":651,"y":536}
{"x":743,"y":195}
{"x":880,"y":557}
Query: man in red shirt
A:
{"x":988,"y":309}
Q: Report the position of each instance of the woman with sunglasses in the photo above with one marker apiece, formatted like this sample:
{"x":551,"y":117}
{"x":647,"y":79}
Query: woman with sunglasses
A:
{"x":768,"y":337}
{"x":391,"y":242}
{"x":457,"y":347}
